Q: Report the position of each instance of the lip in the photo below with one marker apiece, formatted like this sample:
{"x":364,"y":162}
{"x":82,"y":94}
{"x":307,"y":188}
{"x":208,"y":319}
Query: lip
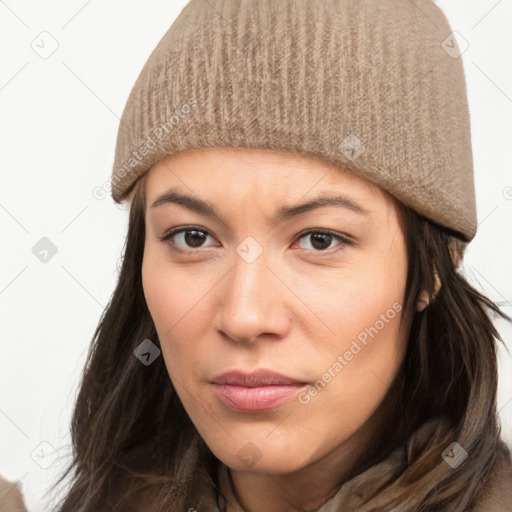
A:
{"x":257,"y":391}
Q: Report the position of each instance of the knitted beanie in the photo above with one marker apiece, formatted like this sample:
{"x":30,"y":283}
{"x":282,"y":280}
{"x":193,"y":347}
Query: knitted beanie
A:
{"x":375,"y":87}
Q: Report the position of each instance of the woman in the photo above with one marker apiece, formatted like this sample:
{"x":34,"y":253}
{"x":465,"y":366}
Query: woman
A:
{"x":290,"y":330}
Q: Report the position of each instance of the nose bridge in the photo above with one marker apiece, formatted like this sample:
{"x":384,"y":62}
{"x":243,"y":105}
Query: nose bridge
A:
{"x":250,"y":304}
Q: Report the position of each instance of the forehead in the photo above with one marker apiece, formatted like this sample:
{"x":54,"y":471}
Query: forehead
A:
{"x":249,"y":172}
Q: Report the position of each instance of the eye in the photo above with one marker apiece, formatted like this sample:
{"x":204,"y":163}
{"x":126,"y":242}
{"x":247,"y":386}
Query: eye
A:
{"x":323,"y":239}
{"x":193,"y":237}
{"x":190,"y":237}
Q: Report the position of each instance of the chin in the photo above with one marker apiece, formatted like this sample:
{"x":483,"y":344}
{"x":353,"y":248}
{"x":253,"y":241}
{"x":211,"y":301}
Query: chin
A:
{"x":262,"y":456}
{"x":271,"y":465}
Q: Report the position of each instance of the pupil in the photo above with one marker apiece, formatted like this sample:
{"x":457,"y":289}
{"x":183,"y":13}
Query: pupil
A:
{"x":322,"y":237}
{"x":196,"y":239}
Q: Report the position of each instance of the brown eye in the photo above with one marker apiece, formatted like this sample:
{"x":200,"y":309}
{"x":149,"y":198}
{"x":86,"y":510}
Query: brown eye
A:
{"x":321,"y":240}
{"x":186,"y":238}
{"x":194,"y":238}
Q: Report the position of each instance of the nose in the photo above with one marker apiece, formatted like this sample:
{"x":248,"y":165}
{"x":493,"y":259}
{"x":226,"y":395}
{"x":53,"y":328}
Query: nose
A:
{"x":253,"y":303}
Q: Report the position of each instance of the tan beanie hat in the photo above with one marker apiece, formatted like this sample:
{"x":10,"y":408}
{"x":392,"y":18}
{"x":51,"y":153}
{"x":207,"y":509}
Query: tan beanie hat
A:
{"x":376,"y":87}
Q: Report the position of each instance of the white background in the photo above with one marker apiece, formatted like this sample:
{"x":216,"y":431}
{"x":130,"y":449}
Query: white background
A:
{"x":59,"y":119}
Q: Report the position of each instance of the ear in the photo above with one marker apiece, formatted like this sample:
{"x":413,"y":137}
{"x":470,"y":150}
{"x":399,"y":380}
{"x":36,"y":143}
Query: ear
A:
{"x":423,"y":301}
{"x":457,"y":248}
{"x":424,"y":298}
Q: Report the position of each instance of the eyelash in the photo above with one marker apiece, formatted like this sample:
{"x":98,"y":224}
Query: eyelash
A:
{"x":175,"y":231}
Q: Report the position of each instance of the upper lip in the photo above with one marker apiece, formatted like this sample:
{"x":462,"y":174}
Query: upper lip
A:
{"x":257,"y":378}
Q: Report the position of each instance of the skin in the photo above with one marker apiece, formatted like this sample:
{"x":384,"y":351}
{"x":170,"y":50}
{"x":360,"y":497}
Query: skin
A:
{"x":294,"y":310}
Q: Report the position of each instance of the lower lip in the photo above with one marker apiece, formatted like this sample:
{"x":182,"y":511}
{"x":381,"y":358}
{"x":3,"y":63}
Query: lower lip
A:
{"x":255,"y":399}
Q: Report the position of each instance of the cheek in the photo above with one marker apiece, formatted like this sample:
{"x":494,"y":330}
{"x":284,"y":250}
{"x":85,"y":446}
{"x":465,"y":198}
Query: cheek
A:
{"x":165,"y":305}
{"x":176,"y":302}
{"x":362,"y":352}
{"x":359,"y":304}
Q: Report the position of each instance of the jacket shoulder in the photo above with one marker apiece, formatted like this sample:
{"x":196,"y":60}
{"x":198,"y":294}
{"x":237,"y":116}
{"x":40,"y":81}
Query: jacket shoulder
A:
{"x":11,"y":497}
{"x":496,"y":495}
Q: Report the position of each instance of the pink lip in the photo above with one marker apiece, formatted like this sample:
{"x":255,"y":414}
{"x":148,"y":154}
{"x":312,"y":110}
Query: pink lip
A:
{"x":253,"y":392}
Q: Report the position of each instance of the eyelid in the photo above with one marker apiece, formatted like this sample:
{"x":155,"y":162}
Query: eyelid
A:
{"x":345,"y":236}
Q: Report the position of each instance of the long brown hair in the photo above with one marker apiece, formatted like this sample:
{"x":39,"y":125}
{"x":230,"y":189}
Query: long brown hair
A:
{"x":131,"y":435}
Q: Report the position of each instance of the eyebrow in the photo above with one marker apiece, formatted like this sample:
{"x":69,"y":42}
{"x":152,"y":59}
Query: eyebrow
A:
{"x":283,"y":213}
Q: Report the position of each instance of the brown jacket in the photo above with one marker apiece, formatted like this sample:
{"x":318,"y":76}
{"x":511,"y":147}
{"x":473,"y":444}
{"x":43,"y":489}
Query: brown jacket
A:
{"x":11,"y":499}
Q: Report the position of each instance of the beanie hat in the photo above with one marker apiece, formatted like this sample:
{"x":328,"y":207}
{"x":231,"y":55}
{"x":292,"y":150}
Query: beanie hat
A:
{"x":374,"y":87}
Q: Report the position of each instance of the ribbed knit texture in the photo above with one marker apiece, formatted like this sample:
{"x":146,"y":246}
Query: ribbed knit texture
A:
{"x":372,"y":86}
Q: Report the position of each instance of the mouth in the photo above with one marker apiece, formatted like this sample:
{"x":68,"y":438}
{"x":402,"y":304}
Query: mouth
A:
{"x":255,"y":392}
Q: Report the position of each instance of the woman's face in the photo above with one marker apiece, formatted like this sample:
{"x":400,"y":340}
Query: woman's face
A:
{"x":261,"y":287}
